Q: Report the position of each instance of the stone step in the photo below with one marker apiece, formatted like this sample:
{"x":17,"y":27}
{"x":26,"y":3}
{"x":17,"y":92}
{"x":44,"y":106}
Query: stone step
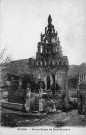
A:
{"x":12,"y":105}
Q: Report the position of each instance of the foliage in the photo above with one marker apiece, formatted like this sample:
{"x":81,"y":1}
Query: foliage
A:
{"x":73,"y":93}
{"x":72,"y":82}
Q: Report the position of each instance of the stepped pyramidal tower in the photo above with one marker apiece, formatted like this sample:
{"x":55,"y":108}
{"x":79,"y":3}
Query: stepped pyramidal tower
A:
{"x":50,"y":65}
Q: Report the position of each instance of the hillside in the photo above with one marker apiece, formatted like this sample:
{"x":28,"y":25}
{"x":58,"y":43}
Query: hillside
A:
{"x":82,"y":68}
{"x":75,"y":69}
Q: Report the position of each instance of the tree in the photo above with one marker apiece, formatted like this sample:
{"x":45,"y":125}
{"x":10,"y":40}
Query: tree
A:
{"x":4,"y":56}
{"x":4,"y":59}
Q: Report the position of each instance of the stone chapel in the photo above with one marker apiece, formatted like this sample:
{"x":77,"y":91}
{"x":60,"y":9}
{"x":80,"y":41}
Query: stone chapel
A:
{"x":50,"y":65}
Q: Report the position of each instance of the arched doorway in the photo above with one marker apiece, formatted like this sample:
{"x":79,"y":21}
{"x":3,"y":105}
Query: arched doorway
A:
{"x":53,"y":76}
{"x":55,"y":88}
{"x":48,"y":82}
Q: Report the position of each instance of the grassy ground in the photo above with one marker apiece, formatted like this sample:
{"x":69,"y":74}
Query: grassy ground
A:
{"x":57,"y":119}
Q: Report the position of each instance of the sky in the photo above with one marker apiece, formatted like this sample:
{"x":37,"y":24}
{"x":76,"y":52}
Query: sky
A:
{"x":22,"y":22}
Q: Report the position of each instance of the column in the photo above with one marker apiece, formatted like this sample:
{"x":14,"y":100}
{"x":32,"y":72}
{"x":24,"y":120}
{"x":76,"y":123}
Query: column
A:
{"x":51,"y":80}
{"x":41,"y":49}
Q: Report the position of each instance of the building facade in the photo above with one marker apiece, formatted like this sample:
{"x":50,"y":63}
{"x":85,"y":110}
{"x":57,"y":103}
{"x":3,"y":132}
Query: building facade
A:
{"x":82,"y":94}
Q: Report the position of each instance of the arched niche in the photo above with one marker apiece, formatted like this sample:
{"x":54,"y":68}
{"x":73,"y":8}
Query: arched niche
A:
{"x":53,"y":77}
{"x":60,"y":63}
{"x":51,"y":63}
{"x":39,"y":63}
{"x":57,"y":63}
{"x":48,"y":82}
{"x":64,"y":62}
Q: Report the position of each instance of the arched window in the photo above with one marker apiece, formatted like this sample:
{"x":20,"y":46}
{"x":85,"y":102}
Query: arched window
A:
{"x":39,"y":63}
{"x":48,"y":82}
{"x":53,"y":77}
{"x":60,"y":63}
{"x":51,"y":63}
{"x":56,"y":63}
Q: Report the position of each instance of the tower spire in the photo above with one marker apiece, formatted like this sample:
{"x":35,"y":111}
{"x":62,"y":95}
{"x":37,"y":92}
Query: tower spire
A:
{"x":49,"y":20}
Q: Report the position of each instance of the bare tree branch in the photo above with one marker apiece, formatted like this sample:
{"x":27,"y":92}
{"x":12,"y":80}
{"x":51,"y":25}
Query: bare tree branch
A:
{"x":4,"y":57}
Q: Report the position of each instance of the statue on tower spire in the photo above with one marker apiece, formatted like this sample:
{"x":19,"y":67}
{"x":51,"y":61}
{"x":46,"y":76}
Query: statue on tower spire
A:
{"x":49,"y":20}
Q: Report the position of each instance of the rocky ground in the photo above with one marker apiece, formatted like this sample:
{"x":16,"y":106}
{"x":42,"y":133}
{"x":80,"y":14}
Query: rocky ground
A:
{"x":57,"y":119}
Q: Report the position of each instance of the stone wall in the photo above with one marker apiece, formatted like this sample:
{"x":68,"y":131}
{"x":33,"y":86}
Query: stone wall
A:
{"x":61,"y":77}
